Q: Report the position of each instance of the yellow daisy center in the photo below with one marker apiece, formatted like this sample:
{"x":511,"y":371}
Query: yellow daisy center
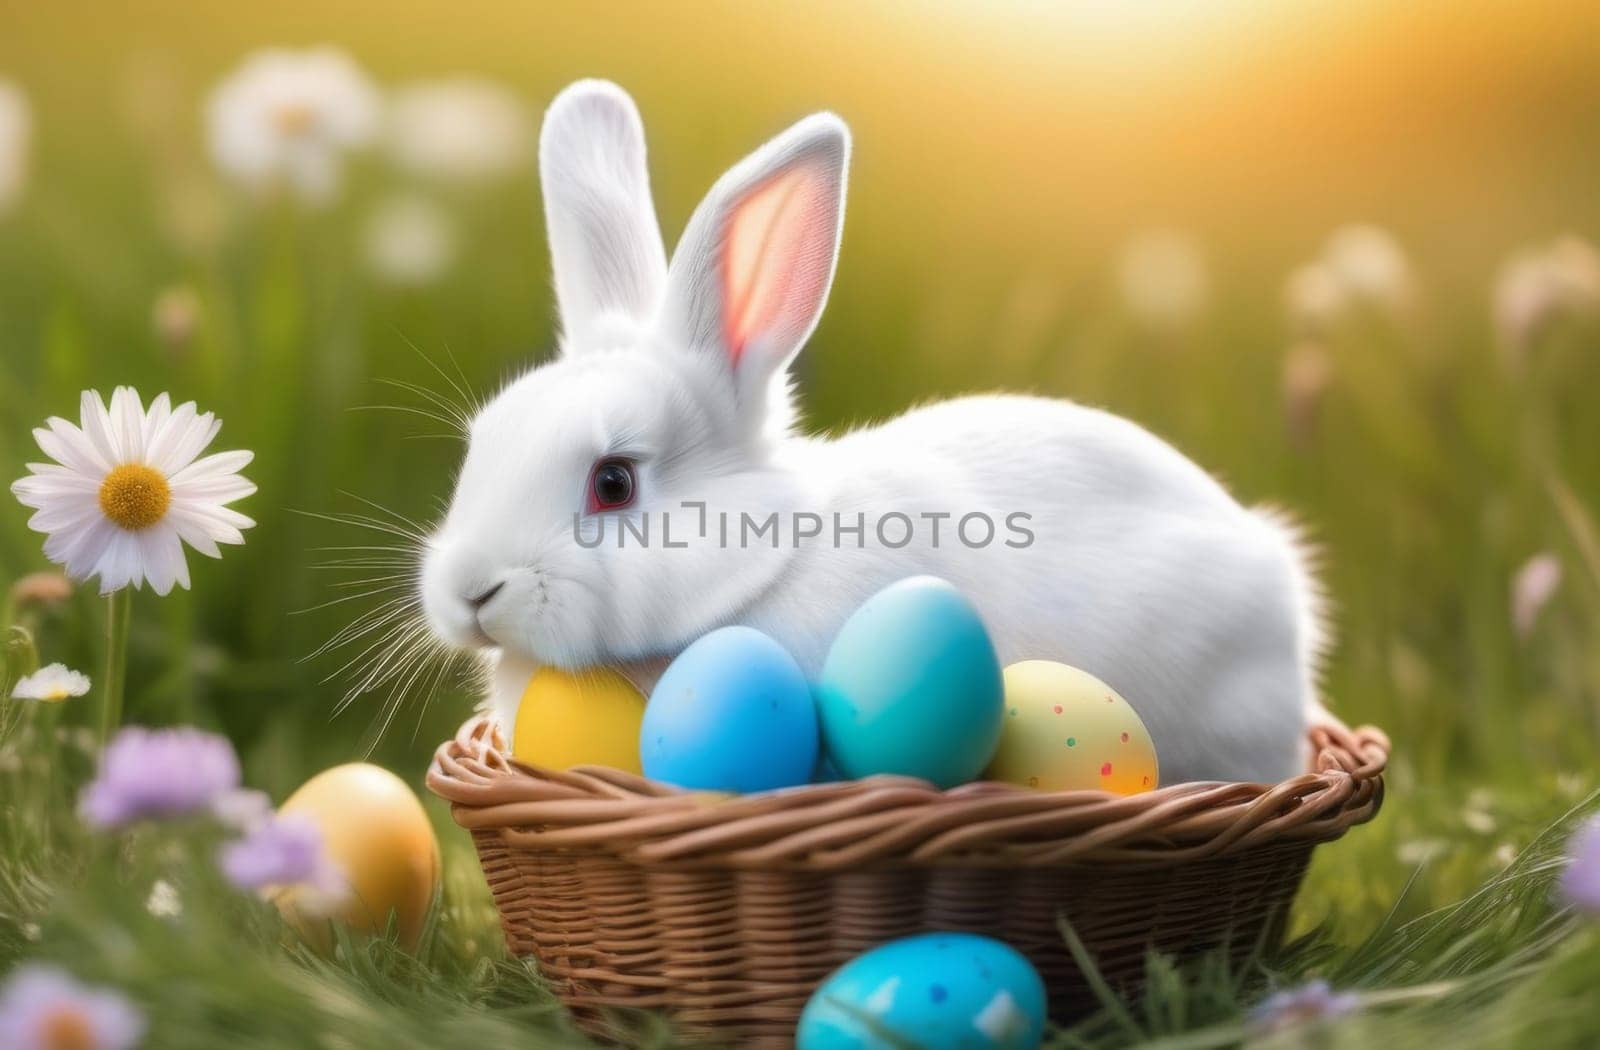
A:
{"x":135,"y":496}
{"x":294,"y":119}
{"x":67,"y":1029}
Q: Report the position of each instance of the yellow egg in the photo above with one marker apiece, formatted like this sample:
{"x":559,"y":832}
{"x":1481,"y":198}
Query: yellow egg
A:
{"x":373,"y":828}
{"x":1066,"y":730}
{"x":580,"y":718}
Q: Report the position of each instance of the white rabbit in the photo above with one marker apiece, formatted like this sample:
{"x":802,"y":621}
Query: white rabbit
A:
{"x":670,"y":400}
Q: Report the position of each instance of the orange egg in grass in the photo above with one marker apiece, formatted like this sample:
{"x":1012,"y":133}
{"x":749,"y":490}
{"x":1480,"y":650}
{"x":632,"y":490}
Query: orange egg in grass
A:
{"x":1066,"y":730}
{"x":375,"y":831}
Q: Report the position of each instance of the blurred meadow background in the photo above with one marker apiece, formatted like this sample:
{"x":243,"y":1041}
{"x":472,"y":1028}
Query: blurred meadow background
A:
{"x":1342,"y":254}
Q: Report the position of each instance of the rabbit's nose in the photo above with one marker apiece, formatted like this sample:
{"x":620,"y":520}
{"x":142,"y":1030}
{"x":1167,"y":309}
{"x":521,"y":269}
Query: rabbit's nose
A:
{"x":484,"y":598}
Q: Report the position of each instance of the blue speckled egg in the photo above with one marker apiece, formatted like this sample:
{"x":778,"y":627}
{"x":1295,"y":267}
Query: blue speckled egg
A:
{"x":912,"y":685}
{"x":935,"y":991}
{"x":732,"y":713}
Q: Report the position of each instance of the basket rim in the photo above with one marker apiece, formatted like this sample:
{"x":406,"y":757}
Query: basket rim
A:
{"x":892,"y":820}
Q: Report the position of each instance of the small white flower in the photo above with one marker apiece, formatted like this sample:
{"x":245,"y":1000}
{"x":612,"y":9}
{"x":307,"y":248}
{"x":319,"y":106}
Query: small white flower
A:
{"x":410,"y":240}
{"x":175,"y":317}
{"x":126,"y":491}
{"x":1536,"y":290}
{"x":51,"y":684}
{"x":163,"y":901}
{"x":1370,"y":263}
{"x":461,"y":129}
{"x":1531,"y":590}
{"x":1360,"y":267}
{"x":1315,"y":297}
{"x":16,"y":131}
{"x":288,"y":118}
{"x":1163,"y":277}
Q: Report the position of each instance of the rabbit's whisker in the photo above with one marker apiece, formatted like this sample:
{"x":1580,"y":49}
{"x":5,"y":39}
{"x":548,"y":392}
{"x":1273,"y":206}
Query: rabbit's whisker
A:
{"x":451,"y":410}
{"x":411,"y":410}
{"x":356,"y":521}
{"x":460,"y":388}
{"x":404,"y":613}
{"x":350,"y":597}
{"x":418,"y":531}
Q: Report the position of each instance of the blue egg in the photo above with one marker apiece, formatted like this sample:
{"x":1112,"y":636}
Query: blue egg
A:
{"x":912,"y":685}
{"x":936,"y":991}
{"x":732,"y":713}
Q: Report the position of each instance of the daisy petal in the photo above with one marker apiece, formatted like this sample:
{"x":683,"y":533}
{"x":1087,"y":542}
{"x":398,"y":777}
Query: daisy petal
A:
{"x":177,"y":424}
{"x":67,"y":445}
{"x":118,"y":563}
{"x":217,"y":463}
{"x":52,"y":478}
{"x":78,"y":551}
{"x":195,"y":535}
{"x":189,"y":443}
{"x":160,"y":409}
{"x":162,"y":556}
{"x":127,"y":422}
{"x":96,"y":423}
{"x":224,"y":489}
{"x":37,"y":491}
{"x":69,"y":513}
{"x":222,"y":515}
{"x":210,"y":520}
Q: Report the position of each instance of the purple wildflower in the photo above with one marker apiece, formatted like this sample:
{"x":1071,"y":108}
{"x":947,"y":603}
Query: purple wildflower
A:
{"x":1315,"y":1001}
{"x":42,"y":1008}
{"x":1580,"y":883}
{"x":159,"y":773}
{"x":282,"y":851}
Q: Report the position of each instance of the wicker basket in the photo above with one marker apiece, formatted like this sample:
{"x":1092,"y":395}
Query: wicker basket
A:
{"x":726,"y":912}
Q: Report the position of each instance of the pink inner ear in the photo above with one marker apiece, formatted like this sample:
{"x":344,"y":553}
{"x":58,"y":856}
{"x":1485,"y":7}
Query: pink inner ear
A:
{"x":775,"y":259}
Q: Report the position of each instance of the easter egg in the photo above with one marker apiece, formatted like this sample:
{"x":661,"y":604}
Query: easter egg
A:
{"x":936,"y":991}
{"x":732,"y":713}
{"x":579,"y":718}
{"x":911,"y":685}
{"x":1066,"y":730}
{"x":375,"y":832}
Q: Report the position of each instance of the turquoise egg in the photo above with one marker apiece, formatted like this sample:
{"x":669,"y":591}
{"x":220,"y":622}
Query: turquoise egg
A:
{"x":912,"y":685}
{"x":935,"y":991}
{"x":732,"y":713}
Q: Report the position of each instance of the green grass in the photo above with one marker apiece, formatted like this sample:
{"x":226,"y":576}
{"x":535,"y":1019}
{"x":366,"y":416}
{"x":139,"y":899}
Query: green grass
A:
{"x":1432,"y":474}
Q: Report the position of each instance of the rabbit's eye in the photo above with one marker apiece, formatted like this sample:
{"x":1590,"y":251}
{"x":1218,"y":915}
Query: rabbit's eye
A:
{"x":611,"y":485}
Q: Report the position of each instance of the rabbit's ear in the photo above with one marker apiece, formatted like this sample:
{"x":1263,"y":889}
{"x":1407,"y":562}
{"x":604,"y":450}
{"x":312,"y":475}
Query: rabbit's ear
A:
{"x":604,"y":241}
{"x":752,"y":272}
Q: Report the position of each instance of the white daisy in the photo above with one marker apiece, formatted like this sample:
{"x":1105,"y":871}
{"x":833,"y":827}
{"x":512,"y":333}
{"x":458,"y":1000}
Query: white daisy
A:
{"x":461,"y":129}
{"x":16,"y":126}
{"x":288,"y":118}
{"x":51,"y":684}
{"x":127,"y":491}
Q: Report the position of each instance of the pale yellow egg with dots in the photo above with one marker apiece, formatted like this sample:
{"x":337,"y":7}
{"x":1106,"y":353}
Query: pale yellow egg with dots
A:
{"x":579,"y":718}
{"x":1066,"y":730}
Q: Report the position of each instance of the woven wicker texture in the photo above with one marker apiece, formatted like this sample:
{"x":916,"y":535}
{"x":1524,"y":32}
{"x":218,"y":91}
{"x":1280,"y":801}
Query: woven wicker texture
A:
{"x":727,"y":911}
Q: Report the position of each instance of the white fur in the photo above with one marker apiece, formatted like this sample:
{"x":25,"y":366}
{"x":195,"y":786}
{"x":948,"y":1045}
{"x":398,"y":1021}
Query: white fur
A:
{"x":1143,"y":570}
